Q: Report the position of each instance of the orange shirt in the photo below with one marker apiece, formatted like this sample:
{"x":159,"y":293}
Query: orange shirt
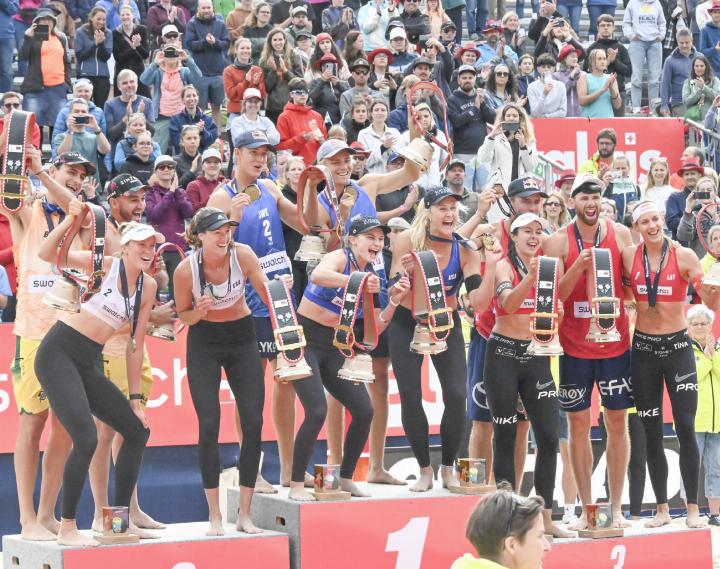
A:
{"x":52,"y":62}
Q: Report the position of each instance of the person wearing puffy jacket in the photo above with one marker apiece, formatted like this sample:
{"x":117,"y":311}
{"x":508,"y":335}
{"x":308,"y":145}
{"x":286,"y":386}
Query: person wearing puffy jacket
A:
{"x":302,"y":130}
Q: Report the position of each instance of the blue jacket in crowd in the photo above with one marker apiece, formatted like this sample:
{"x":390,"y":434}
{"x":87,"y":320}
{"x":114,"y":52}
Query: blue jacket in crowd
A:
{"x":210,"y":58}
{"x":8,"y":8}
{"x":208,"y":135}
{"x":709,"y":37}
{"x":674,"y":208}
{"x":79,"y":9}
{"x":92,"y":58}
{"x":675,"y":70}
{"x":113,"y":14}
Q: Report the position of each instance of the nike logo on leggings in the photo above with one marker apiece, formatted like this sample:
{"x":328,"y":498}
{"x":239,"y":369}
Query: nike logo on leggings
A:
{"x":541,"y":386}
{"x":679,"y":378}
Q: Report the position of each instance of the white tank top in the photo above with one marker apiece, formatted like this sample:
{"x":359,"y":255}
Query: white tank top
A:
{"x":108,"y":305}
{"x":237,"y":283}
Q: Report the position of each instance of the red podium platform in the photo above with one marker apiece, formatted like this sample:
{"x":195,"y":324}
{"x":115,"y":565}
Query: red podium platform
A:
{"x":182,"y":546}
{"x":397,"y":529}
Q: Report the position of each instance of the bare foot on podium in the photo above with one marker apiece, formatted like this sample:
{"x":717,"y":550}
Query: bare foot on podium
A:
{"x":382,"y":476}
{"x":69,"y":535}
{"x":142,"y":533}
{"x":579,"y":523}
{"x":661,"y":518}
{"x":348,"y":485}
{"x":425,"y":481}
{"x":298,"y":493}
{"x":216,"y":527}
{"x":262,"y":486}
{"x":97,"y":525}
{"x":51,"y":523}
{"x":619,"y":520}
{"x":693,"y":517}
{"x":553,"y":529}
{"x":447,"y":473}
{"x":142,"y":520}
{"x":35,"y":531}
{"x":244,"y":524}
{"x":309,"y":481}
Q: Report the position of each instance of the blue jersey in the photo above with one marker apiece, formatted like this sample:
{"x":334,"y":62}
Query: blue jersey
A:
{"x":261,"y":230}
{"x":452,"y":274}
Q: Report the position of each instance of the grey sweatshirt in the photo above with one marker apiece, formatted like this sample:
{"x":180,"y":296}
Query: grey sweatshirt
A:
{"x":644,"y":19}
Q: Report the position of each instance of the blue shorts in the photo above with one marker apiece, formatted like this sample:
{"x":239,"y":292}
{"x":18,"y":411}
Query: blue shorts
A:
{"x":612,"y":376}
{"x":477,"y":405}
{"x":210,"y":90}
{"x":265,"y":337}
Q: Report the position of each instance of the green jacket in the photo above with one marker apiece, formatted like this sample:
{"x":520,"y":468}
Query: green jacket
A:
{"x":707,"y":417}
{"x":467,"y":561}
{"x":223,"y":7}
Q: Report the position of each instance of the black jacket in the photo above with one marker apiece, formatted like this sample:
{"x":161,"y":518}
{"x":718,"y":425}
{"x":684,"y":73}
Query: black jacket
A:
{"x":326,"y":98}
{"x":135,"y":166}
{"x":30,"y":52}
{"x":469,"y":122}
{"x":416,"y":24}
{"x":621,"y":66}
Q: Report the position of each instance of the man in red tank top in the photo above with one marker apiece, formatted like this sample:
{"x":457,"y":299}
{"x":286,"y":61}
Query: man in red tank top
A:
{"x":586,"y":363}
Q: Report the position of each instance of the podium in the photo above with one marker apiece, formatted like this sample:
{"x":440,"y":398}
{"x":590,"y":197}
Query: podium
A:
{"x":181,"y":546}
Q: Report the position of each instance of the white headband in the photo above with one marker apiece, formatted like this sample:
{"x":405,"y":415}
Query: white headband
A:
{"x":643,"y":208}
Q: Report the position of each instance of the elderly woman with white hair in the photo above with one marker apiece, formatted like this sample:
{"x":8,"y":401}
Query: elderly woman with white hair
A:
{"x":707,"y":418}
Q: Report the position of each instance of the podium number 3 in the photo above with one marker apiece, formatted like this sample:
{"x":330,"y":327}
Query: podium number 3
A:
{"x":409,"y":542}
{"x":618,"y":554}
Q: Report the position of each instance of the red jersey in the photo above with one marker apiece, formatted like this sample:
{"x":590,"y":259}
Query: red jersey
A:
{"x":672,"y":287}
{"x":576,"y":321}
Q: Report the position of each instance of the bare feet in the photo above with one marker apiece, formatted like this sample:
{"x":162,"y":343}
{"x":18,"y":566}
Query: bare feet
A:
{"x":142,"y":533}
{"x":51,"y":524}
{"x":424,"y":482}
{"x":693,"y":520}
{"x":348,"y":485}
{"x":660,"y":519}
{"x":216,"y":528}
{"x":35,"y":531}
{"x":447,"y":473}
{"x":309,"y":481}
{"x":557,"y":531}
{"x":579,"y":523}
{"x":298,"y":493}
{"x":619,"y":520}
{"x":244,"y":524}
{"x":142,"y":520}
{"x":69,"y":535}
{"x":262,"y":486}
{"x":382,"y":476}
{"x":97,"y":525}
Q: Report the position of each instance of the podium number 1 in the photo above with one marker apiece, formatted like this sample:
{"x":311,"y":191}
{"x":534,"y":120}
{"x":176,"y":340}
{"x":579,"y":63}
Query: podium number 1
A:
{"x":409,"y":543}
{"x":618,"y":554}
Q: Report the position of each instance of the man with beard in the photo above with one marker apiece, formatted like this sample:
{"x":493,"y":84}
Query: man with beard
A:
{"x":207,"y":38}
{"x":455,"y":182}
{"x":691,"y":171}
{"x":602,"y":160}
{"x":586,"y":363}
{"x":118,"y":109}
{"x":29,"y":226}
{"x":493,"y":49}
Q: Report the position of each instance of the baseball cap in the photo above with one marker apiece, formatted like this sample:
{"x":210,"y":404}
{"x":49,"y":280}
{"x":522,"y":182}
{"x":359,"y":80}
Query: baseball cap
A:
{"x":438,"y":193}
{"x":359,"y":63}
{"x":331,"y":147}
{"x":525,"y":187}
{"x":298,"y":9}
{"x":364,"y":223}
{"x":448,"y":26}
{"x":587,"y":183}
{"x":212,"y":221}
{"x":359,"y":148}
{"x":170,"y":29}
{"x":526,"y":219}
{"x":393,"y":156}
{"x":164,"y":159}
{"x":398,"y":32}
{"x":140,"y":232}
{"x":303,"y":34}
{"x":455,"y":162}
{"x":73,"y":158}
{"x":398,"y":223}
{"x":211,"y":153}
{"x":467,"y":68}
{"x":252,"y":139}
{"x":125,"y":184}
{"x":252,"y":93}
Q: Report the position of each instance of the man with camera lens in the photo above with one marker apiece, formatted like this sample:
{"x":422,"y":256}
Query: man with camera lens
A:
{"x":705,"y":192}
{"x":83,"y":135}
{"x":691,"y":172}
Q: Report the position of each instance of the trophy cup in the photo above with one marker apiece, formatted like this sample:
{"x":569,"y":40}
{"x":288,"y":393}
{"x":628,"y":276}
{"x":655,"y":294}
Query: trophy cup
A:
{"x":544,"y":321}
{"x":604,"y":305}
{"x":116,"y":521}
{"x":599,"y":520}
{"x":327,"y":483}
{"x":470,"y":473}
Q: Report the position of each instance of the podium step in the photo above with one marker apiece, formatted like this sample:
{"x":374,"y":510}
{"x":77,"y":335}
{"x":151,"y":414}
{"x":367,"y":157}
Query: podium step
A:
{"x":181,"y":546}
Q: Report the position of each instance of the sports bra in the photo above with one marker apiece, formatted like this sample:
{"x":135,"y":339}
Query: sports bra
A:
{"x":452,"y":274}
{"x":672,"y":287}
{"x":332,"y":298}
{"x":237,"y":283}
{"x":528,"y":303}
{"x":108,"y":305}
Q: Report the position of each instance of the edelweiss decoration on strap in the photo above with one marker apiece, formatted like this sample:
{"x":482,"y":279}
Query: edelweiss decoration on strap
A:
{"x":164,"y":331}
{"x":429,"y":137}
{"x":544,"y":321}
{"x":604,"y":305}
{"x":428,"y":295}
{"x":14,"y":183}
{"x":74,"y":286}
{"x":358,"y":366}
{"x":289,"y":335}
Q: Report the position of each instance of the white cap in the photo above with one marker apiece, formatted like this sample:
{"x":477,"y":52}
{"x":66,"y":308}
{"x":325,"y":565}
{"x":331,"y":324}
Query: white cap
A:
{"x":211,"y":153}
{"x":140,"y":232}
{"x":397,"y":32}
{"x":398,"y":223}
{"x":169,"y":29}
{"x":164,"y":159}
{"x":526,"y":219}
{"x":252,"y":93}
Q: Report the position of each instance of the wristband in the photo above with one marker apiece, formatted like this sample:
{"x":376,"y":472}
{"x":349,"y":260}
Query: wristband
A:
{"x":502,"y":287}
{"x":136,"y":397}
{"x":392,"y":302}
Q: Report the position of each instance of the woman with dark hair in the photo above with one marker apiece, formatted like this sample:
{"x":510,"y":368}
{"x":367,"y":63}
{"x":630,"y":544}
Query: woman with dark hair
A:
{"x":500,"y":87}
{"x":327,"y":87}
{"x":699,"y":89}
{"x":378,"y":138}
{"x":257,"y":27}
{"x":130,"y":47}
{"x":380,"y":78}
{"x":93,"y":48}
{"x":280,"y":65}
{"x":323,"y":46}
{"x":355,"y":120}
{"x":506,"y":530}
{"x":354,"y":46}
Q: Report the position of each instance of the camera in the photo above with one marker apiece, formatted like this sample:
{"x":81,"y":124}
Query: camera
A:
{"x":511,"y":126}
{"x":702,"y":195}
{"x":170,"y":52}
{"x":82,"y":119}
{"x":422,"y":39}
{"x":42,"y":32}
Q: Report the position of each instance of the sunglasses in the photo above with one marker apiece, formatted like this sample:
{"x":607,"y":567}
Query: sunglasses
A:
{"x":502,"y":74}
{"x":360,"y":72}
{"x":553,"y":204}
{"x":299,"y":92}
{"x":12,"y":105}
{"x":165,"y":167}
{"x":172,"y":36}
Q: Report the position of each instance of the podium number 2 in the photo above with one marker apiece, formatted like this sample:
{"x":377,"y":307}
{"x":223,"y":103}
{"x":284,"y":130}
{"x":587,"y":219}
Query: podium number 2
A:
{"x":618,"y":554}
{"x":409,"y":542}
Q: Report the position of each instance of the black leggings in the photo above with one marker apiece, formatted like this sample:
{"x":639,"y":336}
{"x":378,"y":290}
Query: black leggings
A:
{"x":510,"y":371}
{"x":68,"y":367}
{"x":212,"y":346}
{"x":451,"y":368}
{"x":668,"y":357}
{"x":325,"y":361}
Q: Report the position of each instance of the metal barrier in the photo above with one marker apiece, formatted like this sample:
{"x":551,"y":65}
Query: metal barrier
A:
{"x":549,"y":171}
{"x":710,"y":142}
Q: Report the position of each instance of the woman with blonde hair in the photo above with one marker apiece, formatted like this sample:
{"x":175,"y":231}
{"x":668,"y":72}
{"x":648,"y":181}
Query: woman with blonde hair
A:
{"x":510,"y":146}
{"x":657,"y":186}
{"x":436,"y":15}
{"x":597,"y":91}
{"x":431,"y":177}
{"x":555,"y":211}
{"x":280,"y":65}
